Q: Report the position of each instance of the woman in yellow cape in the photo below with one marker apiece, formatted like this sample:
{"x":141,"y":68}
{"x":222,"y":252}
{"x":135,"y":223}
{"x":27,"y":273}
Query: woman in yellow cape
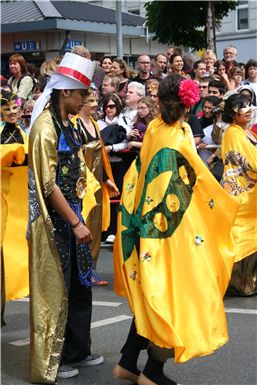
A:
{"x":239,"y":154}
{"x":98,"y":163}
{"x":174,"y":253}
{"x":14,"y":208}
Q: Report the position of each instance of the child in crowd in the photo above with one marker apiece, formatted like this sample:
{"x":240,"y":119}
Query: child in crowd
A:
{"x":26,"y":114}
{"x":146,"y":112}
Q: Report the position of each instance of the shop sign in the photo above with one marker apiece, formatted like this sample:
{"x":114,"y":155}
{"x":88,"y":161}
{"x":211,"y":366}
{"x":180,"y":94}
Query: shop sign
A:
{"x":27,"y":45}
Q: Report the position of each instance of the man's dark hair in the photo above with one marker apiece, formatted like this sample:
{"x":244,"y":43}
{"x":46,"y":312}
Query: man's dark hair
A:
{"x":217,"y":84}
{"x":250,"y":63}
{"x":214,"y":100}
{"x":196,"y":64}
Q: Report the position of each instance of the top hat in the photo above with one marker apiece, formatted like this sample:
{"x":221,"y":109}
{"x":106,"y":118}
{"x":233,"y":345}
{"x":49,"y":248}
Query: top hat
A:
{"x":77,"y":67}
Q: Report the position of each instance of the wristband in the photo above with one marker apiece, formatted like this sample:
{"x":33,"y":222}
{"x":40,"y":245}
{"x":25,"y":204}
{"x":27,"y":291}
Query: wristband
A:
{"x":73,"y":226}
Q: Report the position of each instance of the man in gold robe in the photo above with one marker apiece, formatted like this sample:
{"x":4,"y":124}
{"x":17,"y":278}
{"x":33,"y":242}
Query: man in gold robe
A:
{"x":61,"y":270}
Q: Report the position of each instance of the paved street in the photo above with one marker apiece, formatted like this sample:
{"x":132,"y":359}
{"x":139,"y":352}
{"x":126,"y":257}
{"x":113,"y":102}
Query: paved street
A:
{"x":234,"y":364}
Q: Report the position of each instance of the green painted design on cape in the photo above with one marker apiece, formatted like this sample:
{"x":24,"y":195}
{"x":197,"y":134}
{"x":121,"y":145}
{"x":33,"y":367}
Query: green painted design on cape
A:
{"x":143,"y":226}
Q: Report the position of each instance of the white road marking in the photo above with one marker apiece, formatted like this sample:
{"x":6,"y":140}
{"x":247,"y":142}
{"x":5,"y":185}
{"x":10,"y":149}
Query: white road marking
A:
{"x":23,"y":342}
{"x":95,"y":324}
{"x":240,"y":311}
{"x":109,"y":321}
{"x":95,"y":303}
{"x":22,"y":300}
{"x":101,"y":303}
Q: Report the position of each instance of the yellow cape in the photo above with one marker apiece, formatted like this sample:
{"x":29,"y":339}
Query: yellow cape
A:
{"x":173,"y":253}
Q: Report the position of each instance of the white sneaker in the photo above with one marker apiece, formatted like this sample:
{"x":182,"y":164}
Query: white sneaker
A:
{"x":91,"y":360}
{"x":66,"y":371}
{"x":110,"y":238}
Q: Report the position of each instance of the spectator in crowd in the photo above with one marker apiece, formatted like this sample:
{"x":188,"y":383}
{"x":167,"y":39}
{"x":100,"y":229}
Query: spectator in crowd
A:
{"x":160,"y":63}
{"x":160,"y":188}
{"x":121,"y":70}
{"x":172,"y":51}
{"x":199,"y":70}
{"x":236,"y":79}
{"x":146,"y":112}
{"x":4,"y":85}
{"x":21,"y":82}
{"x":26,"y":114}
{"x":206,"y":122}
{"x":216,"y":88}
{"x":152,"y":90}
{"x":110,"y":84}
{"x":239,"y":154}
{"x":58,"y":58}
{"x":143,"y":68}
{"x":114,"y":134}
{"x":229,"y":57}
{"x":209,"y":58}
{"x":134,"y":93}
{"x":188,"y":59}
{"x":251,"y":74}
{"x":208,"y":104}
{"x":47,"y":69}
{"x":177,"y":64}
{"x":242,"y":66}
{"x":203,"y":88}
{"x":106,"y":64}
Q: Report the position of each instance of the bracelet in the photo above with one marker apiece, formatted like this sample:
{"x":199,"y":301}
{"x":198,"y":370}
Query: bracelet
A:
{"x":79,"y":225}
{"x":73,"y":226}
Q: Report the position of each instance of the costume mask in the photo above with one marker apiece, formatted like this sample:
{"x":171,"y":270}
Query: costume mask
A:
{"x":9,"y":109}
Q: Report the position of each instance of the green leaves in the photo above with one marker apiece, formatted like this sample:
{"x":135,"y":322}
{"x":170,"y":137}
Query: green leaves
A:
{"x":183,"y":22}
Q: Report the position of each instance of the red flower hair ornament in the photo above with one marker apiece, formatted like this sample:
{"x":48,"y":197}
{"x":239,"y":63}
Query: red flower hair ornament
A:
{"x":188,"y":92}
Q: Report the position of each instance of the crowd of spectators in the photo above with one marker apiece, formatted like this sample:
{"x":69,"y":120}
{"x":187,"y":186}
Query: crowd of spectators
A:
{"x":127,"y":99}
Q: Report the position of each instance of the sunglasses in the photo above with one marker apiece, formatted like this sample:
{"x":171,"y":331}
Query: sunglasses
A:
{"x":110,"y":106}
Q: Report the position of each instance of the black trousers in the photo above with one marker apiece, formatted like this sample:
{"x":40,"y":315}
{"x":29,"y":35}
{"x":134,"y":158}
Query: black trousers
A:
{"x":77,"y":335}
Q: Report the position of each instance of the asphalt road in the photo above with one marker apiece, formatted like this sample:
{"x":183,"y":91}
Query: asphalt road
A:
{"x":233,"y":364}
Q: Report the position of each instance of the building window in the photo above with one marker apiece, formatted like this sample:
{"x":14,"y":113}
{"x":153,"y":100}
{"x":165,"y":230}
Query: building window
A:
{"x":242,"y":15}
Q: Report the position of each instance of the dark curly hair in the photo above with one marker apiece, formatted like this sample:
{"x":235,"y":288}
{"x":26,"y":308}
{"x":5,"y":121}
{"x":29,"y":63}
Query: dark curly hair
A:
{"x":233,"y":102}
{"x":171,"y":107}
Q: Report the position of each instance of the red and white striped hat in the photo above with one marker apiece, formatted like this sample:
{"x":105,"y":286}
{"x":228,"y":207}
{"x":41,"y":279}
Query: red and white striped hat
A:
{"x":77,"y":68}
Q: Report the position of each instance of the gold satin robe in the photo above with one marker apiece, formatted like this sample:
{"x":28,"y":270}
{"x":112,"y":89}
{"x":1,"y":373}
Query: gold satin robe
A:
{"x":174,"y":253}
{"x":239,"y":179}
{"x":97,"y":162}
{"x":48,"y":303}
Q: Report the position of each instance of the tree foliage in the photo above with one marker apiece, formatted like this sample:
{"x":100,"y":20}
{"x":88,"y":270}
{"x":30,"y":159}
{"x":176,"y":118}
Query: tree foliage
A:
{"x":183,"y":22}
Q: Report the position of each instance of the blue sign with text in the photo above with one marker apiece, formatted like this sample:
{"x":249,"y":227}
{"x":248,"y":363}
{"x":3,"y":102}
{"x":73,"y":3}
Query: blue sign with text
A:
{"x":27,"y":45}
{"x":72,"y":43}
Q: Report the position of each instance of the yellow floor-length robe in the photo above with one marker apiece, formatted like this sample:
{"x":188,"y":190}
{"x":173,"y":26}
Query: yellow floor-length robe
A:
{"x":14,"y":218}
{"x":174,"y":253}
{"x":239,"y":154}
